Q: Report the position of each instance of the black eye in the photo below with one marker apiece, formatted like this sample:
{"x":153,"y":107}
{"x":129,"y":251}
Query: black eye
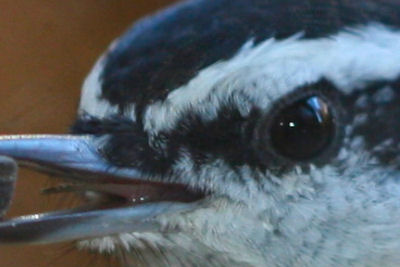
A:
{"x":302,"y":130}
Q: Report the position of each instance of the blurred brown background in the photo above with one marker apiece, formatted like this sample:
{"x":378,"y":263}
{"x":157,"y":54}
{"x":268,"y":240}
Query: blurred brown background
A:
{"x":46,"y":49}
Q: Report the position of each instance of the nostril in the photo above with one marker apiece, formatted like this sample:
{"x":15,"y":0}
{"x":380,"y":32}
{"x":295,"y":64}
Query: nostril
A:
{"x":8,"y":177}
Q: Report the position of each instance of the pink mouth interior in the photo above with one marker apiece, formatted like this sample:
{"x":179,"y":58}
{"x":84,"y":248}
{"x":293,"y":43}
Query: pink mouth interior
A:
{"x":132,"y":192}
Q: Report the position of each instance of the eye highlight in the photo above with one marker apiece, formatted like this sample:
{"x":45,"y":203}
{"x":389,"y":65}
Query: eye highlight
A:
{"x":303,"y":129}
{"x":305,"y":126}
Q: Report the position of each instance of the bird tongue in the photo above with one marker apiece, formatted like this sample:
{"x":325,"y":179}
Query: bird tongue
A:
{"x":131,"y":204}
{"x":132,"y":193}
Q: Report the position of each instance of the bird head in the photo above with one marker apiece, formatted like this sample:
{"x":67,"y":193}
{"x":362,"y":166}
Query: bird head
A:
{"x":231,"y":132}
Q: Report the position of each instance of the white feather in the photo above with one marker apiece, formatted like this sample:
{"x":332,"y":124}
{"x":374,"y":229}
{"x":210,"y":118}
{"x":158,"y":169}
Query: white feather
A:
{"x":259,"y":75}
{"x":91,"y":102}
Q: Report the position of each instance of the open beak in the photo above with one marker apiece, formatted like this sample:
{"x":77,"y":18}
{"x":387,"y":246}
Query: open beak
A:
{"x":124,"y":201}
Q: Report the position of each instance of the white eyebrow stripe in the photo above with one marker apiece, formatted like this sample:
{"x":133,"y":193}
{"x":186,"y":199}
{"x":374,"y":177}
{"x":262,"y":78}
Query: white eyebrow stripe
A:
{"x":91,"y":102}
{"x":271,"y":69}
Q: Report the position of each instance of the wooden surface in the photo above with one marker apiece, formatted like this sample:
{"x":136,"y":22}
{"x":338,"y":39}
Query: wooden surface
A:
{"x":46,"y":49}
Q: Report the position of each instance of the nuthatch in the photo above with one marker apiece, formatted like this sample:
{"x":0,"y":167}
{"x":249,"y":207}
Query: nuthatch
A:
{"x":233,"y":133}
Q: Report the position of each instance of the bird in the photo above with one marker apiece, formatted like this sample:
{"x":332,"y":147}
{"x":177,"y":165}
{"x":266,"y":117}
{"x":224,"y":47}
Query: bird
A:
{"x":231,"y":133}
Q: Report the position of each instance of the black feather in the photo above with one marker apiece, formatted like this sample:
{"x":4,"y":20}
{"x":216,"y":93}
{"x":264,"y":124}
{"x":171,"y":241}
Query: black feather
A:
{"x":165,"y":51}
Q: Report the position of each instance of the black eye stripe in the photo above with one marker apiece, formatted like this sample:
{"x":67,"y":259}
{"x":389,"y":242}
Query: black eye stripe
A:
{"x":375,"y":113}
{"x":229,"y":137}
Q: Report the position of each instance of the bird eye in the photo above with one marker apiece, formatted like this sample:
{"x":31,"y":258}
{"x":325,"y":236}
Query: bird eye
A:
{"x":302,"y":130}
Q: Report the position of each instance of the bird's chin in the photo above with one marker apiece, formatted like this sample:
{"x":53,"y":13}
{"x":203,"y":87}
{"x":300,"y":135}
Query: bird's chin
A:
{"x":114,"y":201}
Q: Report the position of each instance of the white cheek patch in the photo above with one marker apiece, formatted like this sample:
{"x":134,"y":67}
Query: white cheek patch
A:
{"x":259,"y":75}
